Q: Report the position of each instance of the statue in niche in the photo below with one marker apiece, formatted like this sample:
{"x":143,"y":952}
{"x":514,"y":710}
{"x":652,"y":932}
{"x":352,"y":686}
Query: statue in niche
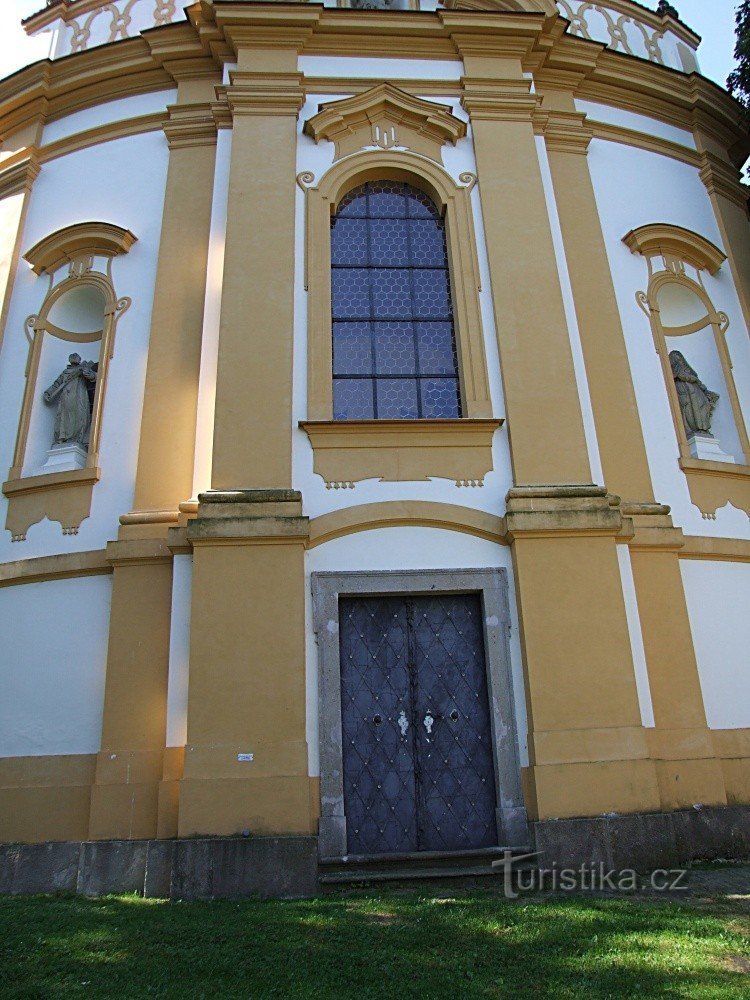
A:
{"x":372,"y":4}
{"x":697,"y":403}
{"x":73,"y":392}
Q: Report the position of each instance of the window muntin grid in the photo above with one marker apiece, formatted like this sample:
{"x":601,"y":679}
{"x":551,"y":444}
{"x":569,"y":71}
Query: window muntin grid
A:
{"x":394,"y":348}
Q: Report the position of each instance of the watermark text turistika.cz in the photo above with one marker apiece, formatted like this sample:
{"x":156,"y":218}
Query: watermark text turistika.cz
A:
{"x":588,"y":877}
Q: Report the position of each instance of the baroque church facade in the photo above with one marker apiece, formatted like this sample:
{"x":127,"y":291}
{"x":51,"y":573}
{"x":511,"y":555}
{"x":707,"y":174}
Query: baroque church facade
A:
{"x":376,"y":473}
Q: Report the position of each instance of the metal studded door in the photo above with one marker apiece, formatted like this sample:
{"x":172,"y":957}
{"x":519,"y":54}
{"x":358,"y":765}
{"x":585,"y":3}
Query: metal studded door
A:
{"x":417,"y":749}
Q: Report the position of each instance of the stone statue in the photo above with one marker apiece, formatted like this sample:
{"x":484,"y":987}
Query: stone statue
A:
{"x":372,"y":4}
{"x":73,"y":391}
{"x":665,"y":9}
{"x":696,"y":401}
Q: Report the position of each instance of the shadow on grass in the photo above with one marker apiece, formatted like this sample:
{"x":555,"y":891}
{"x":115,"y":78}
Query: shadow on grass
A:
{"x":379,"y":947}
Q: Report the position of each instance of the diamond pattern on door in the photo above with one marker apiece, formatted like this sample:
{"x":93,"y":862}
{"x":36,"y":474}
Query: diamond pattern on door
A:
{"x":418,"y":763}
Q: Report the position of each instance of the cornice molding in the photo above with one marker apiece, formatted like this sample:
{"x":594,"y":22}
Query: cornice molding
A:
{"x":20,"y":174}
{"x":664,"y":240}
{"x":564,"y":131}
{"x":723,"y":180}
{"x":385,"y":116}
{"x":52,"y":89}
{"x":499,"y":100}
{"x":84,"y":239}
{"x":190,"y":125}
{"x":264,"y":93}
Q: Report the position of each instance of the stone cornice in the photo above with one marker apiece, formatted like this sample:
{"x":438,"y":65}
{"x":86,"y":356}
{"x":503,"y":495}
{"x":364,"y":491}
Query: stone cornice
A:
{"x":190,"y":125}
{"x":564,"y":131}
{"x":19,"y":175}
{"x":265,"y":93}
{"x":206,"y":41}
{"x":722,"y":179}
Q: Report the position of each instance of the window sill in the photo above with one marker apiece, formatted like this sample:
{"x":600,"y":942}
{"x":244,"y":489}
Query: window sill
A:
{"x":59,"y":496}
{"x":714,"y":484}
{"x":349,"y":451}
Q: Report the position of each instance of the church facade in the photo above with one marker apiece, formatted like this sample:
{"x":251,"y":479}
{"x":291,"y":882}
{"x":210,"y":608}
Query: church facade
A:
{"x":376,"y":393}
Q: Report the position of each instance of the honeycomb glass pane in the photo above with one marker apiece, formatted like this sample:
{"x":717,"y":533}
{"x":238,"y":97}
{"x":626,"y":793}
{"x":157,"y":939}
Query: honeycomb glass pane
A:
{"x":391,"y":293}
{"x":427,"y":243}
{"x":352,"y":349}
{"x":439,"y":398}
{"x":386,"y":199}
{"x":394,"y":349}
{"x":352,"y":399}
{"x":397,"y":398}
{"x":431,"y":295}
{"x":389,"y":242}
{"x":437,"y":349}
{"x":349,"y":241}
{"x":421,"y":206}
{"x":388,"y":270}
{"x":353,"y":204}
{"x":350,"y":288}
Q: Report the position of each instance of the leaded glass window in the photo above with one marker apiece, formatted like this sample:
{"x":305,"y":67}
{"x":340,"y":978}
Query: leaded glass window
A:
{"x":394,"y":349}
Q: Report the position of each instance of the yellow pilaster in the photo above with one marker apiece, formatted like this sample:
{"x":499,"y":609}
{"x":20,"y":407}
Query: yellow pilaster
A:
{"x":167,"y":443}
{"x":545,"y":423}
{"x":681,"y":745}
{"x":19,"y":168}
{"x":246,"y":757}
{"x":253,"y":422}
{"x":729,"y":201}
{"x":618,"y":427}
{"x":124,"y":797}
{"x":587,"y":748}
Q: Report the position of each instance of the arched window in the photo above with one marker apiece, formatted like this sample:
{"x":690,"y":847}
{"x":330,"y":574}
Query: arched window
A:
{"x":394,"y":347}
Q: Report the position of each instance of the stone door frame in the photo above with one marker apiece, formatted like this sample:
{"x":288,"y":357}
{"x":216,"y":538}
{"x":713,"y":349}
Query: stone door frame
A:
{"x":492,"y":587}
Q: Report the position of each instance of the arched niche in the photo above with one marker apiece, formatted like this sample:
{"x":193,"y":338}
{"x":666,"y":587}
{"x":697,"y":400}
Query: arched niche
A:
{"x":74,"y":331}
{"x":688,"y":330}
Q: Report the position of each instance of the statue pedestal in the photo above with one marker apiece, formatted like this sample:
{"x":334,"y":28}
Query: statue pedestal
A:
{"x":707,"y":447}
{"x":65,"y":457}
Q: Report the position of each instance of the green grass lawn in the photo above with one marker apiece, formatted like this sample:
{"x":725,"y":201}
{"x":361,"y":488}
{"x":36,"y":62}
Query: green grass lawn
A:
{"x":380,"y":946}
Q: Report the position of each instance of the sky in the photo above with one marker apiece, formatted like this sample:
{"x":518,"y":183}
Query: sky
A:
{"x":712,"y":19}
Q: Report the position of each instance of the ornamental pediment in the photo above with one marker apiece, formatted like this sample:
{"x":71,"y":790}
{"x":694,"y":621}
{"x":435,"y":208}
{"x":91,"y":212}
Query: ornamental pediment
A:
{"x":385,"y":117}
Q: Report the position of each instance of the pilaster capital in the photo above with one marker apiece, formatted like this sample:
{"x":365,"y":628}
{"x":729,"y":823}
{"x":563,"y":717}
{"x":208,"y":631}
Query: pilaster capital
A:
{"x":272,"y":94}
{"x":723,"y":179}
{"x":190,"y":125}
{"x":499,"y":100}
{"x":564,"y":510}
{"x":649,"y":526}
{"x":564,"y":131}
{"x":231,"y":517}
{"x":20,"y":173}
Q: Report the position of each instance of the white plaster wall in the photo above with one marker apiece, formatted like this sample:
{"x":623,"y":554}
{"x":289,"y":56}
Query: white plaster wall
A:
{"x":635,"y":187}
{"x":317,"y":159}
{"x":204,"y":431}
{"x":120,"y":182}
{"x":110,"y":111}
{"x":408,"y":549}
{"x":638,"y":123}
{"x":718,"y":600}
{"x":53,"y":637}
{"x":637,"y":648}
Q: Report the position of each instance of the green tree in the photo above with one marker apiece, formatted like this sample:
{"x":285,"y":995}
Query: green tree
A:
{"x":738,"y":81}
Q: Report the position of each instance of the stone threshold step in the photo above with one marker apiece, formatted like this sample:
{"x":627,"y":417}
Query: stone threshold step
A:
{"x":358,"y":877}
{"x":421,"y":858}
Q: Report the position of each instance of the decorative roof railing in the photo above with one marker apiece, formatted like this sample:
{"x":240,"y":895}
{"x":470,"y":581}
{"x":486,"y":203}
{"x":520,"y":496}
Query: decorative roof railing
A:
{"x":622,"y":25}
